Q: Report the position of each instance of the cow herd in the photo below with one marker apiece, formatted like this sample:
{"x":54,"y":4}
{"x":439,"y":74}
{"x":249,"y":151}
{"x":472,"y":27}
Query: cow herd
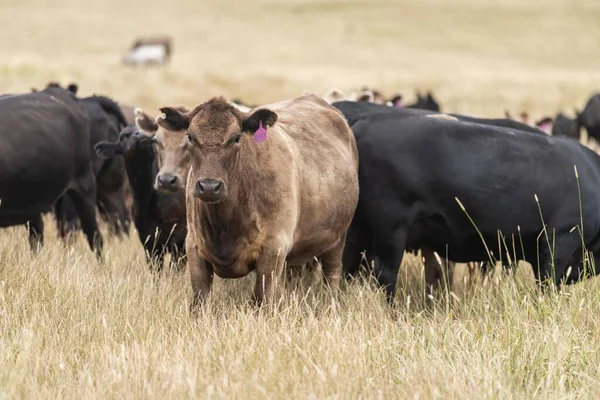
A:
{"x":350,"y":182}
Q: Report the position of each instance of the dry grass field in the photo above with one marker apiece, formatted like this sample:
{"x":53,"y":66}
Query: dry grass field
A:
{"x":71,"y":327}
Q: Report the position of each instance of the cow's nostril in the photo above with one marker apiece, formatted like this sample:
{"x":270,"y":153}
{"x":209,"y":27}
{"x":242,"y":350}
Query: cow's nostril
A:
{"x":167,"y":179}
{"x":218,"y":187}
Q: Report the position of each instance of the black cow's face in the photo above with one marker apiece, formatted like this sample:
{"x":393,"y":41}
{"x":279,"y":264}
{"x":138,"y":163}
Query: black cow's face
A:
{"x":130,"y":139}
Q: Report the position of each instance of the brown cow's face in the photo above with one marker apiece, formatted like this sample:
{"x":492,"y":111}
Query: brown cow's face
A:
{"x":215,"y":134}
{"x":214,"y":153}
{"x":173,"y":160}
{"x":171,"y":153}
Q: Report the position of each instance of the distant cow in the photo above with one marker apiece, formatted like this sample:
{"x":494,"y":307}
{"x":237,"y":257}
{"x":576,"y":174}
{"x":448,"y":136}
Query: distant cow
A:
{"x":44,"y":154}
{"x":427,"y":102}
{"x":377,"y":96}
{"x":544,"y":124}
{"x":565,"y":126}
{"x":159,"y":217}
{"x":335,"y":95}
{"x":276,"y":184}
{"x":482,"y":180}
{"x":590,"y":117}
{"x":149,"y":51}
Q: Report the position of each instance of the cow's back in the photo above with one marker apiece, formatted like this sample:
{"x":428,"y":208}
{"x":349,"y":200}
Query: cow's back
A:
{"x":44,"y":145}
{"x":495,"y":173}
{"x":355,"y":111}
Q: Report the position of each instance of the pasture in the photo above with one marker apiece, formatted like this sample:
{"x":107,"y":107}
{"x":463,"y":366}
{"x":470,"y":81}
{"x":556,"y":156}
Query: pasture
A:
{"x":71,"y":327}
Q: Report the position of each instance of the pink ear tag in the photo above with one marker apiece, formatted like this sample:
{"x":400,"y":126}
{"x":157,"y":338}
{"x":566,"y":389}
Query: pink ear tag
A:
{"x":261,"y":133}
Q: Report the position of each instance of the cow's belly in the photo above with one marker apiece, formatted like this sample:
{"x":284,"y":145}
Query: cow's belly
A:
{"x":233,"y":271}
{"x":13,"y":219}
{"x":305,"y":250}
{"x":34,"y":196}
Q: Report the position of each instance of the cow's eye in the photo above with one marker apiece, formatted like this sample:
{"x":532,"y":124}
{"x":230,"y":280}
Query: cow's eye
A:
{"x":237,"y":139}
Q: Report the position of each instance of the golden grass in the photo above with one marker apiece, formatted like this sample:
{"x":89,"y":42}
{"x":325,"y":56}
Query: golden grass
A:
{"x":72,"y":328}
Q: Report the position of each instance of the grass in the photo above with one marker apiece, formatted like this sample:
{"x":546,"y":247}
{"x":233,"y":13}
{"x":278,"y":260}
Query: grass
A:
{"x":73,"y":328}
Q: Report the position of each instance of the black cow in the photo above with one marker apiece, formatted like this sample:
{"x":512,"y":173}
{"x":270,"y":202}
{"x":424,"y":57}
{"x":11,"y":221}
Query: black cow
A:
{"x":44,"y":154}
{"x":427,"y":102}
{"x":354,"y":111}
{"x":159,"y":217}
{"x":565,"y":126}
{"x":423,"y":180}
{"x":106,"y":121}
{"x":590,"y":117}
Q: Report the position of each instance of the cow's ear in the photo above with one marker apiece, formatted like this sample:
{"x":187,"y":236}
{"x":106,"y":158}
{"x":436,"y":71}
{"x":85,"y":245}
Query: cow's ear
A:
{"x":144,"y":122}
{"x":174,"y":120}
{"x":251,"y":123}
{"x":107,"y":149}
{"x":73,"y":88}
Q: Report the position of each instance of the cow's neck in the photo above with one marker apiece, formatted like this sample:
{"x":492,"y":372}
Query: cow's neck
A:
{"x":232,"y":220}
{"x":140,"y":172}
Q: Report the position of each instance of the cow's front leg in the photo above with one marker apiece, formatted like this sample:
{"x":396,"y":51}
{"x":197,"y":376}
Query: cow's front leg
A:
{"x":269,"y":271}
{"x":201,"y":273}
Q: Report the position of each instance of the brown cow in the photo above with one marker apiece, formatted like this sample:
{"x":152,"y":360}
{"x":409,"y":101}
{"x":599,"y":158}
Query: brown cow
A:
{"x":253,"y":202}
{"x":172,"y":157}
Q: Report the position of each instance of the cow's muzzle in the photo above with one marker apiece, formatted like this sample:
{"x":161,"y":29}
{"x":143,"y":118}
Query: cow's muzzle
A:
{"x":209,"y":190}
{"x":167,"y":183}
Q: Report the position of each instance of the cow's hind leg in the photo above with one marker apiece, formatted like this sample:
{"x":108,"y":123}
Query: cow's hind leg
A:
{"x":115,"y":212}
{"x":553,"y":262}
{"x":357,"y":243}
{"x":391,"y":252}
{"x":35,"y":229}
{"x":178,"y":257}
{"x":84,"y":201}
{"x":331,"y":262}
{"x":438,"y":273}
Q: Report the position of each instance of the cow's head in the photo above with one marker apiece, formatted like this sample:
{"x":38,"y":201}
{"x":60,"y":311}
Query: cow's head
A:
{"x":172,"y":157}
{"x":72,"y":87}
{"x":216,"y":133}
{"x":130,"y":139}
{"x":565,"y":126}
